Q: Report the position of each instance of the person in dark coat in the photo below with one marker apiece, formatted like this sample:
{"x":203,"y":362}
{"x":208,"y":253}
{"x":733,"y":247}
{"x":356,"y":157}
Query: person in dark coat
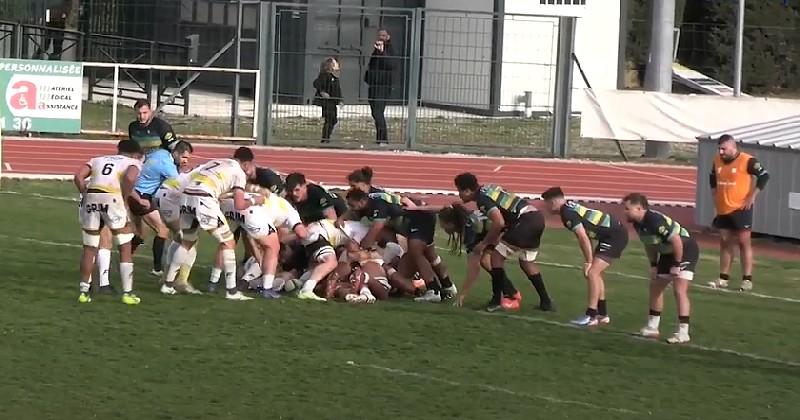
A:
{"x":328,"y":95}
{"x":379,"y":79}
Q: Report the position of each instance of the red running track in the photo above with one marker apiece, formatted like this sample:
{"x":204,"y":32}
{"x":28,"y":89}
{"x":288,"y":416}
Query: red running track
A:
{"x":403,"y":171}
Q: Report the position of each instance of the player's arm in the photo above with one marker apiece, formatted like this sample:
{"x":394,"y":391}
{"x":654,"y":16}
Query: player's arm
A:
{"x":371,"y":237}
{"x":328,"y":209}
{"x":80,"y":178}
{"x":493,"y":235}
{"x":241,"y":202}
{"x":756,"y":169}
{"x":584,"y":243}
{"x":129,"y":181}
{"x":712,"y":179}
{"x":167,"y":134}
{"x":473,"y":272}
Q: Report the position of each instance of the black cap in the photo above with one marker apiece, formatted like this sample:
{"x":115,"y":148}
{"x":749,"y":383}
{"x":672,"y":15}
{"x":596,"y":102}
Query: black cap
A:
{"x":552,"y":192}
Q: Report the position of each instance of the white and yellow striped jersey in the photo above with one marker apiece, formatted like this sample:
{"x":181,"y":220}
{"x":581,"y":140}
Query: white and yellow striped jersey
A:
{"x":107,"y":172}
{"x":178,"y":183}
{"x":282,"y":212}
{"x":216,"y":177}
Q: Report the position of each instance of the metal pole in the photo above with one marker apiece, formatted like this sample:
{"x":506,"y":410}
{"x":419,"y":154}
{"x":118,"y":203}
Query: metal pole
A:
{"x":563,"y":90}
{"x":622,"y":62}
{"x":115,"y":100}
{"x":266,"y":66}
{"x":737,"y":59}
{"x":659,"y":69}
{"x":237,"y":78}
{"x":413,"y":80}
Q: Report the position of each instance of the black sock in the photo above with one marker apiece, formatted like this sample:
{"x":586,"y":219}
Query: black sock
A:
{"x":446,"y":282}
{"x":498,"y":276}
{"x":158,"y":251}
{"x":508,"y":288}
{"x":723,"y":276}
{"x":748,"y":277}
{"x":683,"y":319}
{"x":137,"y":240}
{"x":655,"y":313}
{"x":591,"y":312}
{"x":538,"y":284}
{"x":602,"y":309}
{"x":434,"y":285}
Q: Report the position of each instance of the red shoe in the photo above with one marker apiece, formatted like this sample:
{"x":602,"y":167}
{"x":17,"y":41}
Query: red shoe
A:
{"x":509,"y":304}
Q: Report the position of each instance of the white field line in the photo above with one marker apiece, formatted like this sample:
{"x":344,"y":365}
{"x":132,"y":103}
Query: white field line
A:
{"x":510,"y":316}
{"x":487,"y":387}
{"x":638,"y":172}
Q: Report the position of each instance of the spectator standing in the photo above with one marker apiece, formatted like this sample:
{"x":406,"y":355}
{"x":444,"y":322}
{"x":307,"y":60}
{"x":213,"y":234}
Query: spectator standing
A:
{"x":328,"y":95}
{"x":379,"y":79}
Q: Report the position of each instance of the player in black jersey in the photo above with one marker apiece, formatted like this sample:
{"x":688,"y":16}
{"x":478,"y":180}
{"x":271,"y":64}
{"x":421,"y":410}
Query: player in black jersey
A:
{"x":612,"y":238}
{"x":516,"y":230}
{"x":361,"y":179}
{"x":150,"y":131}
{"x":313,"y":202}
{"x":673,"y":256}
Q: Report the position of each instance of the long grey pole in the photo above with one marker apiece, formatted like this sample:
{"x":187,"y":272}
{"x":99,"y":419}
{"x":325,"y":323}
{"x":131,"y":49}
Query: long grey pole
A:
{"x":659,"y":69}
{"x":737,"y":58}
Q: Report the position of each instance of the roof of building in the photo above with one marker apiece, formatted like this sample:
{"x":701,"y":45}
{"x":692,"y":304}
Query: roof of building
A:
{"x":783,"y":133}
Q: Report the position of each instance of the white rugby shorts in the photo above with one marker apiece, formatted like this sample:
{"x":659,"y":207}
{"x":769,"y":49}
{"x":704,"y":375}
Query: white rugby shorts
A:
{"x":103,"y":209}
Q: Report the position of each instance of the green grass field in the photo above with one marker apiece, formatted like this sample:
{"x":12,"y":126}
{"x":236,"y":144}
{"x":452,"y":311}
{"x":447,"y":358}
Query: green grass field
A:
{"x":204,"y":357}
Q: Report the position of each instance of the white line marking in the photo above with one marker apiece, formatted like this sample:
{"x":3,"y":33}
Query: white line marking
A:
{"x":497,"y":168}
{"x":8,"y":166}
{"x":672,"y":178}
{"x":605,"y":330}
{"x":510,"y":316}
{"x":43,"y":196}
{"x":492,"y":388}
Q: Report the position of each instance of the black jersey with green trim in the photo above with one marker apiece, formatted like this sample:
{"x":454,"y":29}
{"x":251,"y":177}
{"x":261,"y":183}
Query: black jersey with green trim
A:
{"x":157,"y":133}
{"x":475,"y":229}
{"x":317,"y":201}
{"x":491,"y":197}
{"x":657,"y":228}
{"x":596,"y":223}
{"x":384,"y":205}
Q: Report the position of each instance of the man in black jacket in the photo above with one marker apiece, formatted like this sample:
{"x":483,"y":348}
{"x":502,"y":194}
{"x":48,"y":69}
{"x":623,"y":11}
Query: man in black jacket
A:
{"x":379,"y":79}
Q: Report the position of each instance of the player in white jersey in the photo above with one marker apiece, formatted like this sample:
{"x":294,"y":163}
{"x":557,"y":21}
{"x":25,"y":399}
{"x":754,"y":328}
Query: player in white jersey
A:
{"x":200,"y":210}
{"x":167,"y":200}
{"x":103,"y":259}
{"x":260,"y":224}
{"x":110,"y":181}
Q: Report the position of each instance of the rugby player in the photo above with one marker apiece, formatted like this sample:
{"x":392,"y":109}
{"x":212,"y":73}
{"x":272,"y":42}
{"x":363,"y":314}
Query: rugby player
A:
{"x":103,"y":259}
{"x":516,"y":230}
{"x":673,"y":256}
{"x":361,"y":179}
{"x":612,"y":238}
{"x":159,"y":165}
{"x":385,"y":210}
{"x":168,"y":202}
{"x":200,"y":209}
{"x":110,"y":181}
{"x":150,"y":131}
{"x":312,"y":201}
{"x":735,"y":193}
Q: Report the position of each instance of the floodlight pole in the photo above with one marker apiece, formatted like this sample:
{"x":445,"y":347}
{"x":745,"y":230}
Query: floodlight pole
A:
{"x":737,"y":58}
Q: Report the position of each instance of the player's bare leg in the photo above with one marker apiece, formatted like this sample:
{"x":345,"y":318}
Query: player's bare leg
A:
{"x":416,"y":252}
{"x":377,"y":282}
{"x":596,"y":289}
{"x":449,"y":289}
{"x":727,"y":248}
{"x":123,"y":237}
{"x":657,"y":286}
{"x":154,"y":221}
{"x":325,"y":264}
{"x":270,"y":249}
{"x":91,"y":240}
{"x":534,"y":274}
{"x":744,"y":240}
{"x":681,"y":290}
{"x":216,"y":272}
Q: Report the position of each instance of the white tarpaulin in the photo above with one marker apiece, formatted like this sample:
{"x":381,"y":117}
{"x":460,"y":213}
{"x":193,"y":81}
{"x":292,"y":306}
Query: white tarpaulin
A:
{"x":638,"y":115}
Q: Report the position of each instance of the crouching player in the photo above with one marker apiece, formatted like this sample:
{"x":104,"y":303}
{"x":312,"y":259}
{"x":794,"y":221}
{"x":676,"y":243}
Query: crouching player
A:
{"x":110,"y":180}
{"x":673,"y":256}
{"x":200,"y":209}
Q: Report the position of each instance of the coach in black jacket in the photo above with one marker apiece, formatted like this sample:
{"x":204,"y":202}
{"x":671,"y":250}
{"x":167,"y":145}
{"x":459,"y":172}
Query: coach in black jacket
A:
{"x":379,"y":79}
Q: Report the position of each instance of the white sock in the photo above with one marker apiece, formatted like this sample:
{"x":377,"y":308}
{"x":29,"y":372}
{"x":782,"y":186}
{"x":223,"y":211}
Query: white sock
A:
{"x":683,"y":329}
{"x":366,"y":292}
{"x":180,"y":257}
{"x":169,"y":252}
{"x":309,"y":285}
{"x":126,"y":274}
{"x":103,"y":262}
{"x":192,"y":257}
{"x":84,"y":287}
{"x":215,"y":274}
{"x":229,"y":265}
{"x":653,"y":321}
{"x":269,"y":280}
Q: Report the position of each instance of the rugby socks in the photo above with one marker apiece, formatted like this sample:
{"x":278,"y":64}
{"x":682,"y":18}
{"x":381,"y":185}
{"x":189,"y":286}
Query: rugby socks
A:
{"x":654,"y":319}
{"x":170,"y":252}
{"x":84,"y":286}
{"x":683,"y":325}
{"x":186,"y":268}
{"x":158,"y":253}
{"x":538,"y":284}
{"x":216,"y":272}
{"x":591,"y":312}
{"x":103,"y":266}
{"x":498,"y":281}
{"x":435,"y":285}
{"x":126,"y":274}
{"x":309,"y":285}
{"x":602,"y":308}
{"x":268,"y":281}
{"x":229,"y":266}
{"x":724,"y":276}
{"x":508,"y":288}
{"x":747,"y":278}
{"x":180,"y":257}
{"x":446,"y":282}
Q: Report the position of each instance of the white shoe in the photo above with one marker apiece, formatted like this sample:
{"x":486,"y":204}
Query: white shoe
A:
{"x":747,"y":286}
{"x":368,"y":294}
{"x":678,"y":338}
{"x":189,"y":289}
{"x":431,"y":296}
{"x":354,"y":298}
{"x":449,"y":292}
{"x":156,"y":273}
{"x":237,"y":296}
{"x":168,"y":290}
{"x":603,"y":319}
{"x":649,"y":332}
{"x":310,"y":296}
{"x":718,"y":284}
{"x":585,"y":321}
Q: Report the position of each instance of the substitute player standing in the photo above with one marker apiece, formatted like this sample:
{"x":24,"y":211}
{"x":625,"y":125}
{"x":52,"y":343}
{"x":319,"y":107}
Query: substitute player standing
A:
{"x":612,"y":238}
{"x":200,"y":209}
{"x":110,"y":181}
{"x":673,"y":256}
{"x":735,"y":192}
